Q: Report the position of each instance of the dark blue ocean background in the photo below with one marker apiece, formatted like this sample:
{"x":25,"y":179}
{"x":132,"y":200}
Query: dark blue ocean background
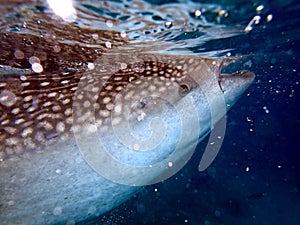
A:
{"x":255,"y":177}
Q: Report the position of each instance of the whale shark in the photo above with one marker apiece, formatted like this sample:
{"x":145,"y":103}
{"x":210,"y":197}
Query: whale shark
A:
{"x":84,"y":125}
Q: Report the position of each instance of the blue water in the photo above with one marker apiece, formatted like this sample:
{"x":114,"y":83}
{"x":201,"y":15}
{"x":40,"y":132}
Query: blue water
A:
{"x":255,"y":178}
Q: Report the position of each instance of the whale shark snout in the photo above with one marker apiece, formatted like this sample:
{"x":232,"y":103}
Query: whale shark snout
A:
{"x":235,"y":84}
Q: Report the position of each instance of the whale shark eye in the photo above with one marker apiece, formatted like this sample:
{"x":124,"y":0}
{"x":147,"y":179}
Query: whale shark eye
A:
{"x":184,"y":89}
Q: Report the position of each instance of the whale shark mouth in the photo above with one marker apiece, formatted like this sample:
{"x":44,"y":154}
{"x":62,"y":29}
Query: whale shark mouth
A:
{"x":227,"y":79}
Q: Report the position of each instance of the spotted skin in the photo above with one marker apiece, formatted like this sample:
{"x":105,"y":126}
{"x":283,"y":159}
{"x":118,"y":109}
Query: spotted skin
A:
{"x":38,"y":108}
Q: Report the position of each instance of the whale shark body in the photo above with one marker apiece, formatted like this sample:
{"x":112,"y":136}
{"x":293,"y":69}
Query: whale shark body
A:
{"x":82,"y":127}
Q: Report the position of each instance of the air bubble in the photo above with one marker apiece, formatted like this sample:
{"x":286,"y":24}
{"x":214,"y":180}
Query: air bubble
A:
{"x":123,"y":66}
{"x":34,"y":59}
{"x":267,"y":111}
{"x":259,"y":8}
{"x":222,"y":13}
{"x":36,"y":67}
{"x":198,"y":13}
{"x":168,"y":24}
{"x":269,"y":17}
{"x":19,"y":54}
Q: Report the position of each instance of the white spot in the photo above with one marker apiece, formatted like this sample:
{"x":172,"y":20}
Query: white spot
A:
{"x":95,"y":36}
{"x":26,"y":132}
{"x":110,"y":106}
{"x":123,"y":34}
{"x":10,"y":130}
{"x":95,"y":89}
{"x":141,"y":117}
{"x":106,"y":100}
{"x":46,"y":125}
{"x":31,"y":109}
{"x":23,"y":78}
{"x":7,"y":98}
{"x":58,"y":171}
{"x":136,"y":147}
{"x":56,"y":48}
{"x":66,"y":101}
{"x":19,"y":54}
{"x":197,"y":13}
{"x":2,"y":84}
{"x":247,"y":169}
{"x":15,"y":111}
{"x":56,"y":108}
{"x":170,"y":164}
{"x":18,"y":121}
{"x":11,"y":203}
{"x":27,"y":98}
{"x":57,"y":211}
{"x":45,"y":84}
{"x":86,"y":104}
{"x":118,"y":109}
{"x":104,"y":113}
{"x":108,"y":44}
{"x":52,"y":94}
{"x":60,"y":127}
{"x":65,"y":81}
{"x":123,"y":66}
{"x":109,"y":23}
{"x":24,"y":84}
{"x":80,"y":96}
{"x":47,"y":104}
{"x":36,"y":67}
{"x":68,"y":112}
{"x":91,"y":66}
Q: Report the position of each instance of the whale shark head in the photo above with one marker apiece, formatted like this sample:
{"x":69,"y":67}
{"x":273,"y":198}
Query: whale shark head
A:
{"x":156,"y":109}
{"x":127,"y":107}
